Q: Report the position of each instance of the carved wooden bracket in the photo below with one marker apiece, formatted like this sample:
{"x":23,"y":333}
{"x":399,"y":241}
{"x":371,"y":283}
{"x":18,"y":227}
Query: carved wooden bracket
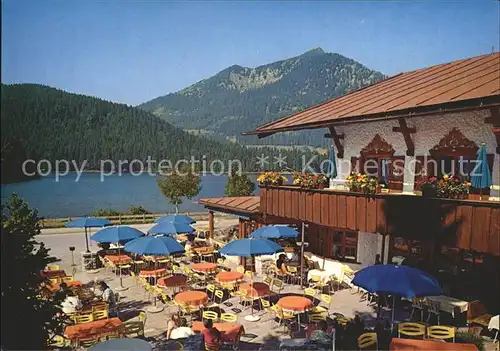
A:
{"x":336,"y":139}
{"x":454,"y":144}
{"x":378,"y":147}
{"x":406,"y":131}
{"x":494,"y":119}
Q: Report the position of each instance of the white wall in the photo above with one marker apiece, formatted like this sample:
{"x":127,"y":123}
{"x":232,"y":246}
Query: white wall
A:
{"x":430,"y":130}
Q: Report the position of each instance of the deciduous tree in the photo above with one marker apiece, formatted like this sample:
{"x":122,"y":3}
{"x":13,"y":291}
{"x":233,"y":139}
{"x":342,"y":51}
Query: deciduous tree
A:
{"x":184,"y":183}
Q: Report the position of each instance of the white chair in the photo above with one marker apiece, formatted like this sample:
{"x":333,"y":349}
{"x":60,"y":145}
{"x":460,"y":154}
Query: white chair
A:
{"x":434,"y":308}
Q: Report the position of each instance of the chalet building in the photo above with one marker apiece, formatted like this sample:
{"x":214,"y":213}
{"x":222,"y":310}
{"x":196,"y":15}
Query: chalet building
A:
{"x":417,"y":124}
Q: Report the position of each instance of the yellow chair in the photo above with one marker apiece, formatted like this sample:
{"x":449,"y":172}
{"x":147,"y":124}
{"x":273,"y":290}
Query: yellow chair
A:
{"x":318,"y":283}
{"x":266,"y":306}
{"x":283,"y":316}
{"x":240,"y":269}
{"x":441,"y":332}
{"x":132,"y":329}
{"x":84,"y":318}
{"x":316,"y":317}
{"x":54,"y":281}
{"x":87,"y":343}
{"x":97,"y":315}
{"x":322,"y":309}
{"x":249,"y":274}
{"x":58,"y":341}
{"x":53,"y":267}
{"x":367,"y":340}
{"x":101,"y":306}
{"x":268,"y":280}
{"x":228,"y":317}
{"x":411,"y":329}
{"x":293,"y":274}
{"x":211,"y":289}
{"x":143,"y":317}
{"x":277,"y":287}
{"x":67,"y":279}
{"x":310,"y":292}
{"x":219,"y":294}
{"x":210,"y":315}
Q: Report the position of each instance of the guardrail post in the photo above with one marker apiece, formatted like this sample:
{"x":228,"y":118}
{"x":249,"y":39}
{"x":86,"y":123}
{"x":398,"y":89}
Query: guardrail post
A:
{"x":143,"y":218}
{"x":120,"y":219}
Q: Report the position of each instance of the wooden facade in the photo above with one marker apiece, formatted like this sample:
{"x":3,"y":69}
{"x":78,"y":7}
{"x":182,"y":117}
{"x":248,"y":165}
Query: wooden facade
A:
{"x":465,"y":224}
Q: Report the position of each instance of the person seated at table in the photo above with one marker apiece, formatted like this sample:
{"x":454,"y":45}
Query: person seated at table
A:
{"x":172,"y":324}
{"x":281,"y":266}
{"x":181,"y":332}
{"x":71,"y":303}
{"x":211,"y":336}
{"x":377,"y":259}
{"x":62,"y":292}
{"x":108,"y":296}
{"x":320,"y":336}
{"x":359,"y":325}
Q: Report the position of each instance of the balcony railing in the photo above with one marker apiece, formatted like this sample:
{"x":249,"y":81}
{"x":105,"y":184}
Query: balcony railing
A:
{"x":462,"y":223}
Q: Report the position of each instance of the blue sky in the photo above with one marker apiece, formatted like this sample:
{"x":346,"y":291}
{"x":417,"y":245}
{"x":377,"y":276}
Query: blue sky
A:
{"x":133,"y":51}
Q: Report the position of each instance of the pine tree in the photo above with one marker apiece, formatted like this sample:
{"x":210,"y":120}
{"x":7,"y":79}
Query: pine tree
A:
{"x":27,"y":318}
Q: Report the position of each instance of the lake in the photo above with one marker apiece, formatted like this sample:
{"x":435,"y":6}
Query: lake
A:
{"x":66,"y":197}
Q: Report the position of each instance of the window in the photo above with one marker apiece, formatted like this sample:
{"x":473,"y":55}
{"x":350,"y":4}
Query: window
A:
{"x":407,"y":248}
{"x":345,"y":245}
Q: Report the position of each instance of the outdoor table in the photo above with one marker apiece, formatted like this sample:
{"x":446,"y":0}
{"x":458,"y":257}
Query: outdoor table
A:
{"x":60,"y":273}
{"x":84,"y":330}
{"x":413,"y":344}
{"x":204,"y":267}
{"x":449,"y":304}
{"x":295,"y":303}
{"x":173,"y":281}
{"x":192,"y":298}
{"x":73,"y":284}
{"x":325,"y":275}
{"x":229,"y":277}
{"x":152,"y":272}
{"x":118,"y":259}
{"x":256,"y":290}
{"x":201,"y":250}
{"x":128,"y":344}
{"x":230,"y":332}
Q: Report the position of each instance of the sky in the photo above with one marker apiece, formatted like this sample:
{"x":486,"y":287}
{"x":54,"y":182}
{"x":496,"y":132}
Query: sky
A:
{"x":133,"y":51}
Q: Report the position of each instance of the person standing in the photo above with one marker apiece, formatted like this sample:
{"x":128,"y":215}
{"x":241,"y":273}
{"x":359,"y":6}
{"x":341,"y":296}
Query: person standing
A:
{"x":108,"y":296}
{"x":377,"y":259}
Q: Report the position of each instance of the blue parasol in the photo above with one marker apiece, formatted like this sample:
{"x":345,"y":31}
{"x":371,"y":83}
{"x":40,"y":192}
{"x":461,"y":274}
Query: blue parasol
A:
{"x":481,"y":176}
{"x":116,"y":234}
{"x":176,"y":218}
{"x":171,"y":228}
{"x":274,"y":232}
{"x":89,"y":222}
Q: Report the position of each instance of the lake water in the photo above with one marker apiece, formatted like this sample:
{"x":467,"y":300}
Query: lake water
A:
{"x":66,"y":197}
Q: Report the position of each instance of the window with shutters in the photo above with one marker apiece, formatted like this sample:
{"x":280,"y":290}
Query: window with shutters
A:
{"x":454,"y":154}
{"x":378,"y":160}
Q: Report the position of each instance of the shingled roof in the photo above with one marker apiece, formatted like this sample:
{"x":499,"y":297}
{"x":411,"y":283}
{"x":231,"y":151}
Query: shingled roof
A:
{"x":453,"y":86}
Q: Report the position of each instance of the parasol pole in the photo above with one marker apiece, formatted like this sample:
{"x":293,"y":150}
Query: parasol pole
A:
{"x":252,"y":317}
{"x":121,"y":287}
{"x":86,"y":240}
{"x":393,"y":303}
{"x":302,"y":256}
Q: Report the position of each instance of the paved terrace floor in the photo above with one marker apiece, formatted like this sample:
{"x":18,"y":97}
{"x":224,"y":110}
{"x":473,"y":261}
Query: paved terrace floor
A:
{"x":134,"y":299}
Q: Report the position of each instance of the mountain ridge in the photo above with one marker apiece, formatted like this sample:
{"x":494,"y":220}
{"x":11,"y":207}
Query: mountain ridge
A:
{"x":238,"y":98}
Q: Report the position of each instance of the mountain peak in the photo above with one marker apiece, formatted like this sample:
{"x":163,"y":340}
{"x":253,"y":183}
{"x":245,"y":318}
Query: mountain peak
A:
{"x":315,"y":51}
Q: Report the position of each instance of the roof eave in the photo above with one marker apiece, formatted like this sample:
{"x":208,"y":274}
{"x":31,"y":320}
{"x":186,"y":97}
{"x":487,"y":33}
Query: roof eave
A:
{"x":458,"y":106}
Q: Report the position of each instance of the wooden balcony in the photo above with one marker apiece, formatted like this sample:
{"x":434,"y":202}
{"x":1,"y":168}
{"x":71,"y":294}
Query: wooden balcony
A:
{"x":465,"y":224}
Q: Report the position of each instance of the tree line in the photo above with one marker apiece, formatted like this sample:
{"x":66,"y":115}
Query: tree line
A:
{"x":40,"y":122}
